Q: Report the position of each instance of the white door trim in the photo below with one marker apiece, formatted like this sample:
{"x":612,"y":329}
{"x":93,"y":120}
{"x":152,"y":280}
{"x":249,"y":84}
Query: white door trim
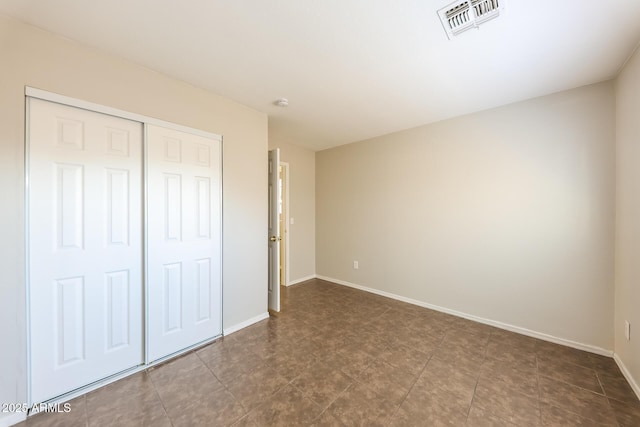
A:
{"x":27,"y":246}
{"x":285,"y":167}
{"x":98,"y":108}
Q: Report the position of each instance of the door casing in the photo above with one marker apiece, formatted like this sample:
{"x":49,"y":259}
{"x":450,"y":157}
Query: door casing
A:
{"x":285,"y":232}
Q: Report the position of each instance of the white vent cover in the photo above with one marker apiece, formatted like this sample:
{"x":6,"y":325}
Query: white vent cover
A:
{"x":463,"y":15}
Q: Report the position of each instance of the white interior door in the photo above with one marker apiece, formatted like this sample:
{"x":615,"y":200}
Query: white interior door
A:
{"x":274,"y":230}
{"x":85,"y":277}
{"x":183,"y":240}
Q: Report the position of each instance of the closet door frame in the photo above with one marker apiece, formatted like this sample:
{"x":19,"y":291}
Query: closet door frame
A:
{"x":31,"y":92}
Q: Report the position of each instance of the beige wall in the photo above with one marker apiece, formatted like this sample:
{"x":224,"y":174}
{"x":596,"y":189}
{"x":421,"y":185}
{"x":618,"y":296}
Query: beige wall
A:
{"x":506,"y":214}
{"x":627,"y":246}
{"x":36,"y":58}
{"x":302,"y":208}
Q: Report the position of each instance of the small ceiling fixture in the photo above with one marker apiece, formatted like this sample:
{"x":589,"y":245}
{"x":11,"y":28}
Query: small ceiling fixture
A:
{"x":282,"y":102}
{"x":463,"y":15}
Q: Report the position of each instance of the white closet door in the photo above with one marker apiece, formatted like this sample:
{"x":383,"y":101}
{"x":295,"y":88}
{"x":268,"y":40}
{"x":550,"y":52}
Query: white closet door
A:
{"x":85,"y":248}
{"x":184,"y":240}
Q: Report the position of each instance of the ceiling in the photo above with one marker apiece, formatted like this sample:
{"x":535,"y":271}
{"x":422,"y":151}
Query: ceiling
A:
{"x":353,"y":69}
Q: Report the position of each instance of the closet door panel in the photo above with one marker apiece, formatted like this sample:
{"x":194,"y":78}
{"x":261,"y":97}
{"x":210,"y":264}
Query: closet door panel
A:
{"x":85,"y":246}
{"x":184,"y":240}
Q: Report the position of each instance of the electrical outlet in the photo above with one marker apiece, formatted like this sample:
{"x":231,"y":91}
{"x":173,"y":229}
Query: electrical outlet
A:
{"x":355,"y":265}
{"x":627,"y":330}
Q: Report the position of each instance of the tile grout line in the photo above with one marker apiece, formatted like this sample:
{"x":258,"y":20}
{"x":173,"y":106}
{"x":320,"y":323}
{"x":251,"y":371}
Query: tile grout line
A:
{"x":473,"y":396}
{"x":155,"y":388}
{"x":475,"y":388}
{"x":226,"y":388}
{"x":553,"y":404}
{"x":538,"y":387}
{"x":411,"y":388}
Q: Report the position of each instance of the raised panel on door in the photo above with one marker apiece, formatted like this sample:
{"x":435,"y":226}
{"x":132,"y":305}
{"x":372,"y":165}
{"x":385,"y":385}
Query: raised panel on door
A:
{"x":85,"y":247}
{"x":184,"y":240}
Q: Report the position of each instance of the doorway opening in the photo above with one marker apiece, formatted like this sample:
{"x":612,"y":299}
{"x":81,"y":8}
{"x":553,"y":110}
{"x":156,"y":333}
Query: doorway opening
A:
{"x":283,"y":217}
{"x":278,"y":224}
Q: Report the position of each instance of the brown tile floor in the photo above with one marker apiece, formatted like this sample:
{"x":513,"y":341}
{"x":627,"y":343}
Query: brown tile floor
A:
{"x":337,"y":356}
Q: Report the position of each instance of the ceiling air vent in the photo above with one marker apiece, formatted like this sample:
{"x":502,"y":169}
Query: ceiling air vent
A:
{"x":463,"y":15}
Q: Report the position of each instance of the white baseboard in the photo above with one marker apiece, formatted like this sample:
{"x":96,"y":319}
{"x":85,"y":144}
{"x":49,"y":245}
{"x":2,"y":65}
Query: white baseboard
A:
{"x":512,"y":328}
{"x":12,"y":419}
{"x":632,"y":382}
{"x":242,"y":325}
{"x":303,"y":279}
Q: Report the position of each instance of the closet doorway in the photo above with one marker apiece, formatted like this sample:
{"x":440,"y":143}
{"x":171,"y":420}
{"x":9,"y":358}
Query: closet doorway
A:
{"x":124,"y":226}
